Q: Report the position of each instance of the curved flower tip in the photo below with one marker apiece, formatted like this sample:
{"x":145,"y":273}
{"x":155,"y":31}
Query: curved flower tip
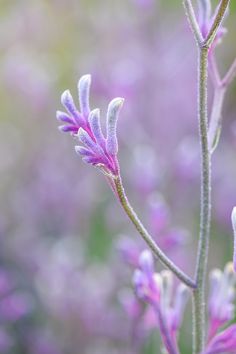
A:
{"x":112,"y":116}
{"x":147,"y":284}
{"x":233,"y":219}
{"x":85,"y":125}
{"x":146,"y":262}
{"x":84,"y":84}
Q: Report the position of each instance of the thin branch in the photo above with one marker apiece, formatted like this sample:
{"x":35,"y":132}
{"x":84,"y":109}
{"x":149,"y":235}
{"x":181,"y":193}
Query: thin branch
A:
{"x":216,"y":24}
{"x":230,"y":75}
{"x":193,"y":21}
{"x":147,"y":237}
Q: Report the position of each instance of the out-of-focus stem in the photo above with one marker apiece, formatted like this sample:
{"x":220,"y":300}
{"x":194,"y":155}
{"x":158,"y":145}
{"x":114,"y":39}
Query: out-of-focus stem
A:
{"x":230,"y":75}
{"x":203,"y":245}
{"x":147,"y":237}
{"x":220,"y":87}
{"x":216,"y":116}
{"x":193,"y":21}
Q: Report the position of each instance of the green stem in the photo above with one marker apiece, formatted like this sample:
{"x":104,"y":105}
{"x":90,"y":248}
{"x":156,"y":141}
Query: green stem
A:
{"x":147,"y":237}
{"x":201,"y":266}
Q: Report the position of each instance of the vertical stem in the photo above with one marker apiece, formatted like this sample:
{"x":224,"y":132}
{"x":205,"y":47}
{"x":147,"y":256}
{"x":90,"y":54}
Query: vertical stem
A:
{"x":199,"y":293}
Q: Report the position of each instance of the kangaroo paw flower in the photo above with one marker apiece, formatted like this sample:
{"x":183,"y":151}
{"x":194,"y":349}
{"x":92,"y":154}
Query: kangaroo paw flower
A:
{"x":85,"y":125}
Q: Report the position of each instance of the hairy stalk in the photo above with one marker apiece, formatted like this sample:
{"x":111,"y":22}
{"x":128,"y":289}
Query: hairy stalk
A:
{"x":199,"y":293}
{"x":217,"y":22}
{"x":205,"y":216}
{"x":147,"y":237}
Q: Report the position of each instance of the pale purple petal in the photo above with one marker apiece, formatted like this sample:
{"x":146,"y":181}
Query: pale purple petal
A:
{"x":87,"y":140}
{"x":112,"y":116}
{"x":68,"y":103}
{"x":68,"y":128}
{"x":146,"y":263}
{"x":83,"y":90}
{"x":80,"y":150}
{"x":63,"y":117}
{"x":94,"y":120}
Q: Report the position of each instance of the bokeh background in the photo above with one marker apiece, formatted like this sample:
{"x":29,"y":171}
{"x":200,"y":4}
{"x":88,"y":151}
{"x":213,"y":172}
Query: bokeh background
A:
{"x":65,"y":244}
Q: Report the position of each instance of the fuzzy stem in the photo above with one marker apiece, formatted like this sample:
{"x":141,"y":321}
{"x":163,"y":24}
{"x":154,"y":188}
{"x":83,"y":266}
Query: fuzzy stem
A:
{"x":193,"y":21}
{"x":202,"y":257}
{"x":148,"y":238}
{"x":217,"y":22}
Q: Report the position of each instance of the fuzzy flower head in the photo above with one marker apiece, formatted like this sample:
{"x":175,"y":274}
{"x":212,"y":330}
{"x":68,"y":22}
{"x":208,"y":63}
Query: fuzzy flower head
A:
{"x":206,"y":19}
{"x":85,"y":126}
{"x":221,"y":297}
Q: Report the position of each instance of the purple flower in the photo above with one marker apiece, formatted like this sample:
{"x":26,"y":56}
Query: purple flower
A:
{"x":224,"y":342}
{"x":85,"y":125}
{"x":146,"y":282}
{"x":157,"y":291}
{"x":221,"y":297}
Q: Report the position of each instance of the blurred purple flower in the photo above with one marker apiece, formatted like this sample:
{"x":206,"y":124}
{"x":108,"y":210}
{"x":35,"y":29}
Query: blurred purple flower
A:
{"x":85,"y":125}
{"x":146,"y":282}
{"x":221,"y":297}
{"x":6,"y":341}
{"x":157,"y":291}
{"x":224,"y":342}
{"x":14,"y":306}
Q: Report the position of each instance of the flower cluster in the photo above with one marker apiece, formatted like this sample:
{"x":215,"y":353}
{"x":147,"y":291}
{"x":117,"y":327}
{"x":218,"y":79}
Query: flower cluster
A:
{"x":157,"y":290}
{"x":86,"y":127}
